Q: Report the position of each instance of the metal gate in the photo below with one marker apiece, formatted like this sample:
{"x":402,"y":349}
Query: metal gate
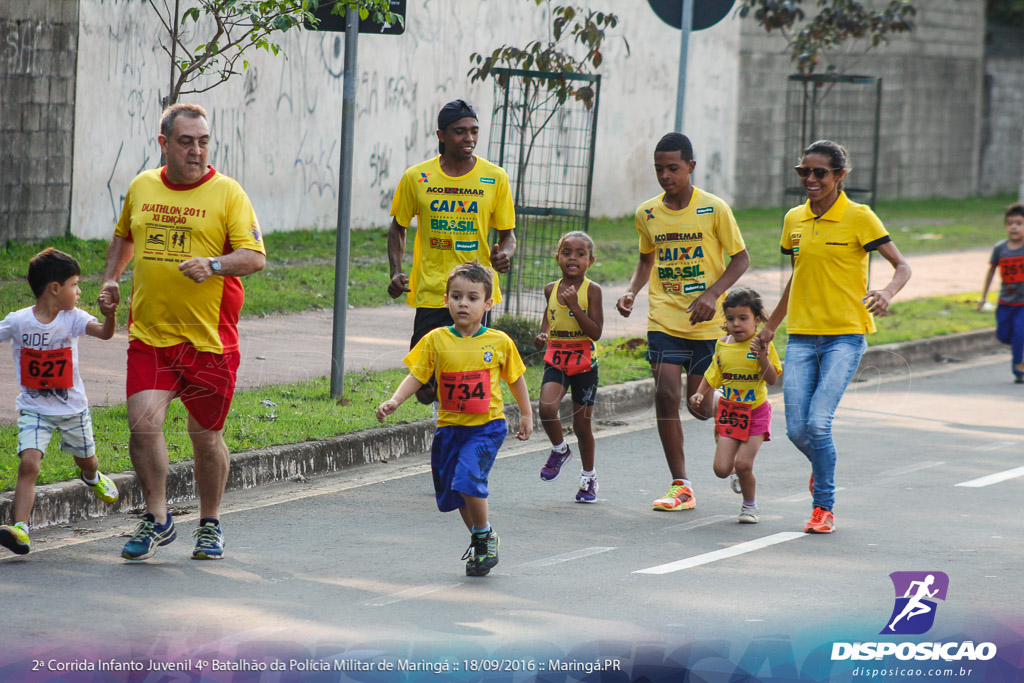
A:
{"x":547,"y":148}
{"x":844,"y":109}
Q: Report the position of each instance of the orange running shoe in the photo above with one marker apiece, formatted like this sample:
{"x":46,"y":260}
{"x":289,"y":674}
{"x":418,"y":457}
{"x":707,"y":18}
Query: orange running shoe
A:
{"x":822,"y":522}
{"x":678,"y":497}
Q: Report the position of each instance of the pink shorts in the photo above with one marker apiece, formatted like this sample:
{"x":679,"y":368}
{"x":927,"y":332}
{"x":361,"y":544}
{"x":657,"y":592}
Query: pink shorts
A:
{"x":761,"y":421}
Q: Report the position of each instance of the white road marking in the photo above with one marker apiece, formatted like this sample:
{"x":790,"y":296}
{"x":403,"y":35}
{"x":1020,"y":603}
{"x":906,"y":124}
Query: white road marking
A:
{"x":725,"y":553}
{"x":801,"y":497}
{"x":408,"y":594}
{"x":900,"y":471}
{"x":993,"y":478}
{"x":567,"y":557}
{"x":713,"y":519}
{"x":994,"y":446}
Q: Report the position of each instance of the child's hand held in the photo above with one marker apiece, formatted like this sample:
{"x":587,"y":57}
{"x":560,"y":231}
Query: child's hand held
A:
{"x":540,"y":341}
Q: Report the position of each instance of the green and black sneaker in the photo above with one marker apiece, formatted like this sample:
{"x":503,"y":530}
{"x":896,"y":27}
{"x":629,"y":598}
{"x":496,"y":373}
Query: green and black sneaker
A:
{"x":482,"y":553}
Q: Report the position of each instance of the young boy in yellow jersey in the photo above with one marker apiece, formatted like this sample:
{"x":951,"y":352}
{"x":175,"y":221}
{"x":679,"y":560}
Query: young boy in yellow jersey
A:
{"x":683,"y":234}
{"x":468,"y":361}
{"x":1008,"y":258}
{"x":44,"y":339}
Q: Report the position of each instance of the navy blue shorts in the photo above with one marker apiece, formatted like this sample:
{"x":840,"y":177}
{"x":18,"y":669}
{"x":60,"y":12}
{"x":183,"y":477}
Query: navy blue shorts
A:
{"x":583,"y":386}
{"x":460,"y":460}
{"x":693,"y":354}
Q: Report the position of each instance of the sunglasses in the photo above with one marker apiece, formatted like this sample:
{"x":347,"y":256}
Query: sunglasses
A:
{"x":819,"y":173}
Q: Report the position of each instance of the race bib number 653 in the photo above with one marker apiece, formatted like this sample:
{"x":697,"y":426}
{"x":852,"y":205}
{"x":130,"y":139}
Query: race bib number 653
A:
{"x":47,"y":369}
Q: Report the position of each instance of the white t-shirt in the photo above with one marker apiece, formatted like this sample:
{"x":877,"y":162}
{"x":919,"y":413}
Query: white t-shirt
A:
{"x":24,"y":331}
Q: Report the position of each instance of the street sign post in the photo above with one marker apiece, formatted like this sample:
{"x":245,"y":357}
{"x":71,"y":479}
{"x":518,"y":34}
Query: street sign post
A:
{"x":352,"y":26}
{"x":688,"y":16}
{"x":336,"y":22}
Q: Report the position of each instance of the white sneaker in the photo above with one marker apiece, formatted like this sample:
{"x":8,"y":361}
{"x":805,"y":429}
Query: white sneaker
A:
{"x":734,"y":482}
{"x":748,"y":514}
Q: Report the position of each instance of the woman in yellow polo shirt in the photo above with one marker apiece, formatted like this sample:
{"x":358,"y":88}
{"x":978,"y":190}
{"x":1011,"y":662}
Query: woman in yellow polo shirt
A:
{"x":829,"y":239}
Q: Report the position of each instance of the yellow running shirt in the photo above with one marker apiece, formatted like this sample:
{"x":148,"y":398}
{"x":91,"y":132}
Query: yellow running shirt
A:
{"x":737,"y":372}
{"x":689,"y":259}
{"x":469,"y":371}
{"x":170,"y":224}
{"x":455,"y":216}
{"x":561,"y":321}
{"x":830,"y":267}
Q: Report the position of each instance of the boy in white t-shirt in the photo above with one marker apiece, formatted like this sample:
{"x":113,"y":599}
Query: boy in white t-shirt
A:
{"x":44,"y":339}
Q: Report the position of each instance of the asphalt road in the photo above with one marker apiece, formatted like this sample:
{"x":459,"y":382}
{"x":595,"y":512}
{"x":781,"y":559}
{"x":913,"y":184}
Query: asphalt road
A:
{"x":361,"y":565}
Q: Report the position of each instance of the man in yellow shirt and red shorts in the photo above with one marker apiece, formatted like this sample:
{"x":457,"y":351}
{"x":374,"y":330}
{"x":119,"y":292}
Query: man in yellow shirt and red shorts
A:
{"x":191,"y":234}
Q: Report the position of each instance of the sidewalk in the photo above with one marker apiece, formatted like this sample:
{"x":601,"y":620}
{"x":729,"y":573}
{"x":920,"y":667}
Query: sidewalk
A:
{"x":294,"y":347}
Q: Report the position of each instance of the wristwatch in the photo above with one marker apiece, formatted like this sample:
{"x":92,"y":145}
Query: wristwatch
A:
{"x":215,"y":265}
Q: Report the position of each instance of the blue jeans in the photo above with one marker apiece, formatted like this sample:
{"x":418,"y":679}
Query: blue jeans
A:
{"x":1010,"y":330}
{"x":818,"y":369}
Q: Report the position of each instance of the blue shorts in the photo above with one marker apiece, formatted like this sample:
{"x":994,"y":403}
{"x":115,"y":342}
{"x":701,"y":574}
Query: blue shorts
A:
{"x":693,"y":354}
{"x":460,"y":460}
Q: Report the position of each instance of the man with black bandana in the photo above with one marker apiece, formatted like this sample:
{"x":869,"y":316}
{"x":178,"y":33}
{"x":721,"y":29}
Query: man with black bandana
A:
{"x":456,"y":197}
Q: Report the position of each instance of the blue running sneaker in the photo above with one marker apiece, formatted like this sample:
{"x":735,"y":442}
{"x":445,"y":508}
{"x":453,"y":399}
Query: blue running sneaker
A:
{"x":148,"y":535}
{"x":554,"y":464}
{"x":209,"y":540}
{"x":588,"y":490}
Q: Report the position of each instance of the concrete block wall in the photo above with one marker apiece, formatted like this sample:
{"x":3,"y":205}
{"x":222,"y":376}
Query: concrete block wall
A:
{"x":1002,"y":148}
{"x":931,"y":106}
{"x":38,"y":54}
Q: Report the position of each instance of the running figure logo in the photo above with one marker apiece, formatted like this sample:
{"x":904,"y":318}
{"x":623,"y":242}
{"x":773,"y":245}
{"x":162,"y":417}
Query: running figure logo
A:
{"x":916,"y":592}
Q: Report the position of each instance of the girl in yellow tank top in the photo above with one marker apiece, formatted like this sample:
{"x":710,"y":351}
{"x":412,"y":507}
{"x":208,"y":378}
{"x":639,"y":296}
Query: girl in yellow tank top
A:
{"x":572,"y":323}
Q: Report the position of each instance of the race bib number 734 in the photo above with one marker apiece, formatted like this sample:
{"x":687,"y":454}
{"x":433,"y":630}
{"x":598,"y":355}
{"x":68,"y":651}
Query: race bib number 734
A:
{"x":465,"y":392}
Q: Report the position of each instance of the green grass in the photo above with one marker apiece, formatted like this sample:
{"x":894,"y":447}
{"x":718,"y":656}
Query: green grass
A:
{"x":286,"y":413}
{"x":300,"y":271}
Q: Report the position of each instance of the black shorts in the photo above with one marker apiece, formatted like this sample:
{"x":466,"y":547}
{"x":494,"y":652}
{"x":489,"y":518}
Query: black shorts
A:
{"x":428,"y":319}
{"x":583,"y":386}
{"x":693,"y":354}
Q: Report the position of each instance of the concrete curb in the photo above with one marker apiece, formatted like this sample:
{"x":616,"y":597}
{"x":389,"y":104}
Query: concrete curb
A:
{"x":73,"y":502}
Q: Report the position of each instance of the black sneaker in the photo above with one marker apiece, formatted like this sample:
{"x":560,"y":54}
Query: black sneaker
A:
{"x":482,"y":553}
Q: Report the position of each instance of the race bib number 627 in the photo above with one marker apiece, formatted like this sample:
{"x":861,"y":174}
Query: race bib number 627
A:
{"x":47,"y":369}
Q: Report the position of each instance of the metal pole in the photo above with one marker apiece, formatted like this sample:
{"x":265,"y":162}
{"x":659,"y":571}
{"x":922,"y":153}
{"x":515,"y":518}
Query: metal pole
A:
{"x":684,"y":48}
{"x":348,"y":119}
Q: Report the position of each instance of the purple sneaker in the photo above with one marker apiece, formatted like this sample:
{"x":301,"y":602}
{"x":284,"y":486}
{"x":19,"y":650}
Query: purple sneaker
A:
{"x":588,"y":490}
{"x":554,"y":464}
